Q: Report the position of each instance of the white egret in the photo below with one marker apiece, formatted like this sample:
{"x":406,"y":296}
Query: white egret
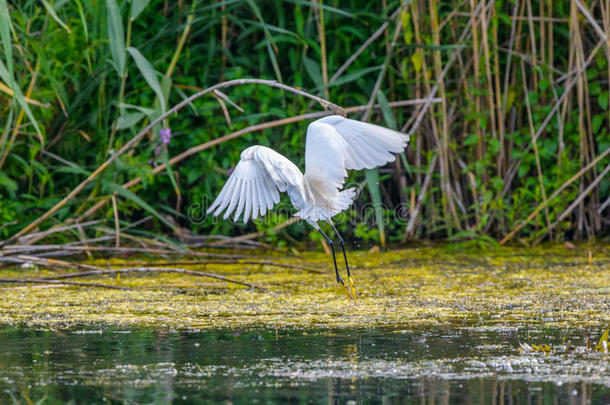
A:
{"x":334,"y":145}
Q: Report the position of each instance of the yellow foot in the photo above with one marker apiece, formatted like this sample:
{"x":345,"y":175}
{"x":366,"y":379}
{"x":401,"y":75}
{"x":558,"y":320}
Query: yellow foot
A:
{"x":345,"y":289}
{"x":352,"y":287}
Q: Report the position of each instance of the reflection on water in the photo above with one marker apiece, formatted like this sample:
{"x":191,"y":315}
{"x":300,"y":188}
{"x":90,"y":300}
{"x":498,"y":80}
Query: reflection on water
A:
{"x":343,"y":366}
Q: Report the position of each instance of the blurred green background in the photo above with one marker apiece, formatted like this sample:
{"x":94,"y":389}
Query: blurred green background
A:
{"x":525,"y":106}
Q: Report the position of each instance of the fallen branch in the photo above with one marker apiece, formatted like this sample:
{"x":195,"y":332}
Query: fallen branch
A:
{"x":26,"y":259}
{"x":78,"y":283}
{"x":205,"y":262}
{"x":152,"y":270}
{"x":16,"y":249}
{"x":58,"y":229}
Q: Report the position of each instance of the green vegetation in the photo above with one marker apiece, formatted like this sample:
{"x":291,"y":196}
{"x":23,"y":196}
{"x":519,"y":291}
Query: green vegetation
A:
{"x":524,"y":107}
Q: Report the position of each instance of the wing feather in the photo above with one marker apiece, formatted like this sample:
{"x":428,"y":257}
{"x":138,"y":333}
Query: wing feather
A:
{"x":234,"y":198}
{"x":248,"y":200}
{"x":254,"y":186}
{"x":262,"y":198}
{"x":336,"y":144}
{"x":275,"y":194}
{"x":262,"y":206}
{"x":242,"y":200}
{"x":255,"y":198}
{"x":224,"y":197}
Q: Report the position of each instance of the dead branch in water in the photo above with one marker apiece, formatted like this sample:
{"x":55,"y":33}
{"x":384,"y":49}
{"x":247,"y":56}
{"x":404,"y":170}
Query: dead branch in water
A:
{"x":152,"y":270}
{"x":77,"y":283}
{"x":17,"y":249}
{"x":206,"y":262}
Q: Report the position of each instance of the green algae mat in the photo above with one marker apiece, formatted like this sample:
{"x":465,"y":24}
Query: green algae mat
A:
{"x":418,"y":287}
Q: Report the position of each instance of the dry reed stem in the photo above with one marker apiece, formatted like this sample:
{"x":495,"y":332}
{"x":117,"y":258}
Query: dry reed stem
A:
{"x":117,"y":226}
{"x":420,"y":199}
{"x":535,"y":146}
{"x":555,"y":194}
{"x":591,"y":20}
{"x":366,"y":43}
{"x":384,"y":67}
{"x":577,"y":201}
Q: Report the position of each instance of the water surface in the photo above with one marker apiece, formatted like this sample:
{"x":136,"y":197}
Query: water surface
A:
{"x":480,"y":365}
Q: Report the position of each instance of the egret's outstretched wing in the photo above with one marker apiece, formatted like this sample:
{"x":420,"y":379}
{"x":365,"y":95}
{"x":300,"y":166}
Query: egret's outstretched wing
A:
{"x":336,"y":144}
{"x":254,"y":185}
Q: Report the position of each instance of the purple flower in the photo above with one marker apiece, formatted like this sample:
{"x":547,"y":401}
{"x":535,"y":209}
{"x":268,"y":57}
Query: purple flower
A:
{"x":158,"y":150}
{"x":166,"y":135}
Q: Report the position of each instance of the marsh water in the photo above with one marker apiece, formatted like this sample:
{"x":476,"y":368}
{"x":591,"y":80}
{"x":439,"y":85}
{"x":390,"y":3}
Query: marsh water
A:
{"x":480,"y":365}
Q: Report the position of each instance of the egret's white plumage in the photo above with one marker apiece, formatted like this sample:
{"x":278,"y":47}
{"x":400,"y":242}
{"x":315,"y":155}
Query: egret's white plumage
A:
{"x":334,"y":145}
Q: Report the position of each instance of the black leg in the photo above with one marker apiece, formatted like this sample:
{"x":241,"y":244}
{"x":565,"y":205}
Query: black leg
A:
{"x":349,"y":276}
{"x":332,"y":248}
{"x":342,"y":247}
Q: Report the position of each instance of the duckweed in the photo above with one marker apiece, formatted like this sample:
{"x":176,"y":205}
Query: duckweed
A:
{"x":550,"y":287}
